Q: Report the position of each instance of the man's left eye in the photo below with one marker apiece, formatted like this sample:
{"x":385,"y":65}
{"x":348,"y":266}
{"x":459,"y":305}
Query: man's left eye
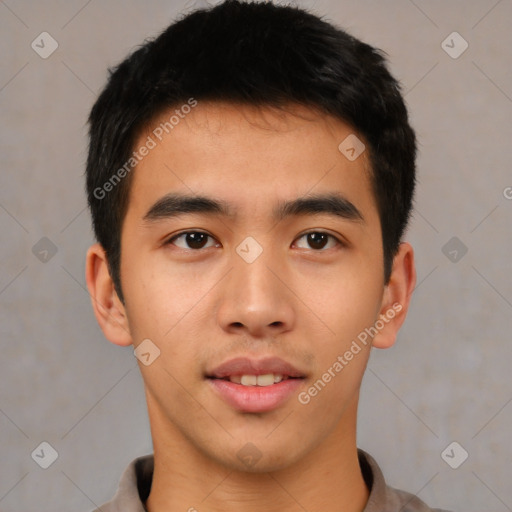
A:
{"x":319,"y":240}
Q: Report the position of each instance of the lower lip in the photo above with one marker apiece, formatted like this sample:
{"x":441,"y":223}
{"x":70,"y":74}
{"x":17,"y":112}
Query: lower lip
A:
{"x":255,"y":398}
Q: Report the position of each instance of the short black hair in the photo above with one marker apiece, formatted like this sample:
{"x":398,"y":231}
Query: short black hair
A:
{"x":256,"y":54}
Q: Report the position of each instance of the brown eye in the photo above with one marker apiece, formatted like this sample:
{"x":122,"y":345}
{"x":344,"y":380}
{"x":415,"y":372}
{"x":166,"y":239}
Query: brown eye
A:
{"x":191,"y":240}
{"x":318,"y":240}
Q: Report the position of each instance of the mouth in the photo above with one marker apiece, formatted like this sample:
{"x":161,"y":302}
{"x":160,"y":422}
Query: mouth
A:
{"x":255,"y":386}
{"x":267,"y":379}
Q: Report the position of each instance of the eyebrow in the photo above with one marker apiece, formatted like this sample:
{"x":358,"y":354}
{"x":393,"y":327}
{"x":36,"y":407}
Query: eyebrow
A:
{"x":173,"y":205}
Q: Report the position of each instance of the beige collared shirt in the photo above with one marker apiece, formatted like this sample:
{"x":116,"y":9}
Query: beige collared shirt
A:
{"x":135,"y":485}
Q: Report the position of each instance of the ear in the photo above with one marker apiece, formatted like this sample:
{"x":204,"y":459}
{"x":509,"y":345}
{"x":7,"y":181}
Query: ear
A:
{"x":108,"y":308}
{"x":396,"y":297}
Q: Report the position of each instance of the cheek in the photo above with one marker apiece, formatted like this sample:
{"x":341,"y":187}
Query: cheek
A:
{"x":346,"y":298}
{"x":171,"y":307}
{"x":346,"y":302}
{"x":159,"y":296}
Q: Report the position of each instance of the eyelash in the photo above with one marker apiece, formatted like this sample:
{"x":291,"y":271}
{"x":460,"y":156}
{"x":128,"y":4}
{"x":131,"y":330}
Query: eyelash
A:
{"x":184,"y":233}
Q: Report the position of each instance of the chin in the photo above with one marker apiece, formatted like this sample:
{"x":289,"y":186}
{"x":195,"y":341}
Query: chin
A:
{"x":253,"y":458}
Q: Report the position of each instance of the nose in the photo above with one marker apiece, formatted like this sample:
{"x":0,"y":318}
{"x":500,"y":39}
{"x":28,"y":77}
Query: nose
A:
{"x":255,"y":299}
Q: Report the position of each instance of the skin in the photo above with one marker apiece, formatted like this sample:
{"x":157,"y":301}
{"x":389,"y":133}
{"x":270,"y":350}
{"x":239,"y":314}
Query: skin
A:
{"x":201,"y":307}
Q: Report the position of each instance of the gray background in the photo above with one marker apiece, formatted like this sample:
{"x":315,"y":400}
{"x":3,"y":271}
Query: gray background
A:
{"x":448,"y":377}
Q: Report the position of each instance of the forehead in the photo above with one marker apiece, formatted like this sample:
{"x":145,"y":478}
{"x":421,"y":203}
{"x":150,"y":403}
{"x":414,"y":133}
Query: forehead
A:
{"x":248,"y":156}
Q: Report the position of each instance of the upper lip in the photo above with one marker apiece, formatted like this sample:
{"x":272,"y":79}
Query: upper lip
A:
{"x":246,"y":366}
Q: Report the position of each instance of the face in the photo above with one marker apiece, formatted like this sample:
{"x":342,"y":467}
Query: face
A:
{"x":281,"y":265}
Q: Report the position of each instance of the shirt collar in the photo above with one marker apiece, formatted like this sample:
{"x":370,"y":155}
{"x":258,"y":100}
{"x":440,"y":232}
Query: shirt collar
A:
{"x":135,"y":485}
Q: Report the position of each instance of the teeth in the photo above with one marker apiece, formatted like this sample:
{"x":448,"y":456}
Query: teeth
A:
{"x":265,"y":380}
{"x":257,"y":380}
{"x":248,"y":380}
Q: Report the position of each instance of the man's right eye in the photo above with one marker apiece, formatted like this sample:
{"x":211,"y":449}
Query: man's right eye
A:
{"x":193,"y":240}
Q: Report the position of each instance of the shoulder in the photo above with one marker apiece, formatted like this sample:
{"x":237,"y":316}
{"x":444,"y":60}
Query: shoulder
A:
{"x":405,"y":502}
{"x":384,"y":498}
{"x":134,"y":487}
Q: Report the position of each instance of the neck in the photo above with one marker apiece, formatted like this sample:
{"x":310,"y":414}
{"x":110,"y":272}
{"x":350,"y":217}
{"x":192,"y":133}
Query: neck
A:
{"x":328,"y":479}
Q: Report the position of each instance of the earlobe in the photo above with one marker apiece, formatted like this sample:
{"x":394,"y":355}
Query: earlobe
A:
{"x":396,"y":297}
{"x":108,"y":309}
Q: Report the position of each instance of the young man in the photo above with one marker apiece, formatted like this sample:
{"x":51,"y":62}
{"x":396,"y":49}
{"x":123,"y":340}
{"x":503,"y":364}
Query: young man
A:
{"x":250,"y":176}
